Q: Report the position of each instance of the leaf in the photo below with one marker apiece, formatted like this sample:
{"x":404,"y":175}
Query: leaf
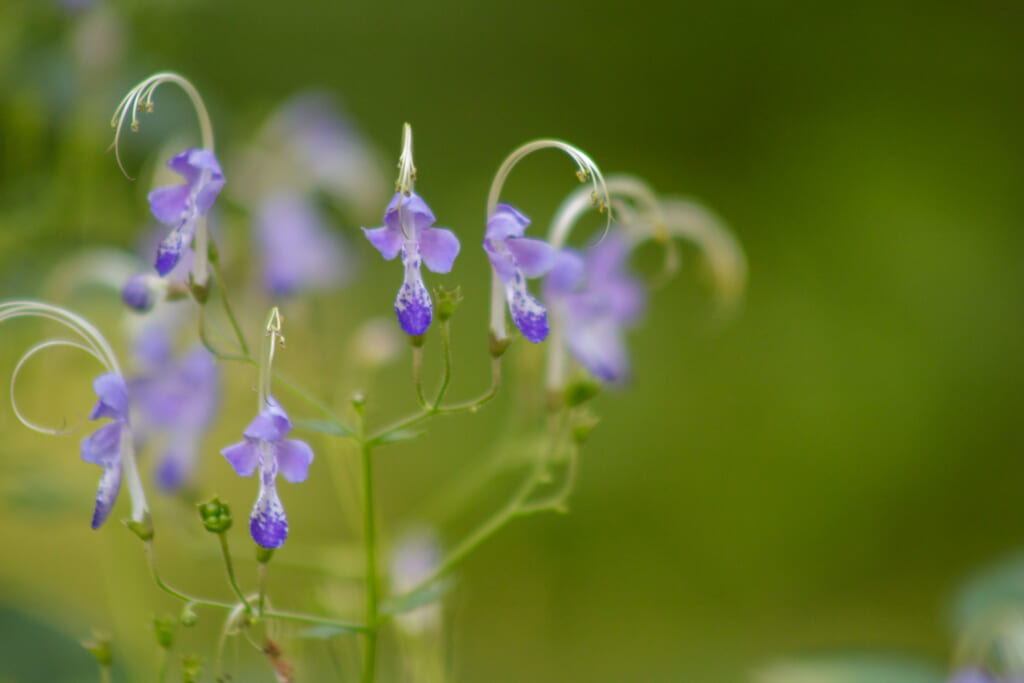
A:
{"x":324,"y":427}
{"x":852,"y":668}
{"x":396,"y":436}
{"x":424,"y":596}
{"x":324,"y":632}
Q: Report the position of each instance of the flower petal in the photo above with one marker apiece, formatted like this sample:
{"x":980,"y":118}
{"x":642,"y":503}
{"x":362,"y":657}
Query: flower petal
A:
{"x":413,"y":306}
{"x":599,"y":348}
{"x":104,"y":445}
{"x":439,"y":248}
{"x":506,"y":221}
{"x":408,"y":215}
{"x":533,"y":257}
{"x":565,"y":274}
{"x":504,"y":266}
{"x":272,"y":424}
{"x":293,"y":459}
{"x":268,"y":523}
{"x":113,"y":394}
{"x":387,"y":240}
{"x":168,"y":204}
{"x":528,"y":314}
{"x":106,"y":494}
{"x":191,"y":163}
{"x":169,"y":252}
{"x":244,"y":456}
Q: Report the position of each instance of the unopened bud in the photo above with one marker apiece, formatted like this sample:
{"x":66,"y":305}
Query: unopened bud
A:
{"x":99,"y":647}
{"x":216,"y":516}
{"x":447,"y":302}
{"x":163,"y":629}
{"x":188,"y":615}
{"x":359,"y":402}
{"x":581,"y":391}
{"x":191,"y":668}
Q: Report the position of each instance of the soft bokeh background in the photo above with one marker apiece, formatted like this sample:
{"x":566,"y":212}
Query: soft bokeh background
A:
{"x":818,"y":476}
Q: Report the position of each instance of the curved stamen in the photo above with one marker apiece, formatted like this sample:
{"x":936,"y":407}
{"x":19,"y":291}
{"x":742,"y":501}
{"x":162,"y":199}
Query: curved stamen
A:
{"x":587,"y":171}
{"x":14,"y":380}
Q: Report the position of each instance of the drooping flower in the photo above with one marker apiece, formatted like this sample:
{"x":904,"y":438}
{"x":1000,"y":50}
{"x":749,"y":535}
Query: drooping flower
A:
{"x":407,"y":228}
{"x":516,"y":258}
{"x":175,"y":401}
{"x":182,"y":205}
{"x":104,"y":446}
{"x":299,"y":253}
{"x":265,"y":447}
{"x":598,"y":300}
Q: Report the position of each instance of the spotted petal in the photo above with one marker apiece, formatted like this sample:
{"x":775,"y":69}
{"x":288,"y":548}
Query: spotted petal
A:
{"x":106,"y":494}
{"x":170,"y":250}
{"x":413,"y":306}
{"x":268,"y":523}
{"x":528,"y":313}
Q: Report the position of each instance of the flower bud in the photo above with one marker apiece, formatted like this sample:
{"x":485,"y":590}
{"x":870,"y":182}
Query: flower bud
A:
{"x":191,"y":668}
{"x":581,"y":391}
{"x":99,"y":647}
{"x":188,"y":615}
{"x":142,"y":291}
{"x":163,"y":629}
{"x":447,"y":302}
{"x":216,"y":516}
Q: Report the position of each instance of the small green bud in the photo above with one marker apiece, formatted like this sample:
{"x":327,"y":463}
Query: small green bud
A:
{"x":359,"y":402}
{"x":581,"y":391}
{"x":191,"y":668}
{"x":199,"y":292}
{"x":99,"y":647}
{"x":163,"y":629}
{"x":263,"y":555}
{"x":447,"y":302}
{"x":143,"y":529}
{"x":216,"y":515}
{"x":497,"y":346}
{"x":188,"y":615}
{"x":212,"y":255}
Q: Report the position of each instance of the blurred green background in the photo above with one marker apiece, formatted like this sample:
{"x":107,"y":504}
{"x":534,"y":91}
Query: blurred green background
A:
{"x":817,"y":476}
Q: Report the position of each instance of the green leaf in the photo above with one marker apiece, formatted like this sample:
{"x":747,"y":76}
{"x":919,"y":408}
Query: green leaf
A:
{"x":324,"y":427}
{"x":852,"y":668}
{"x":324,"y":632}
{"x":396,"y":436}
{"x":424,"y":596}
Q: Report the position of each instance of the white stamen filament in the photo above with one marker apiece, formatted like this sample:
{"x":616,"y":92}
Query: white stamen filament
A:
{"x":406,"y":175}
{"x":271,"y":339}
{"x":586,"y":171}
{"x":96,"y":345}
{"x":140,"y":99}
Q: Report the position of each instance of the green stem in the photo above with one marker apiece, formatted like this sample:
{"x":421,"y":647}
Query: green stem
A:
{"x":231,"y":571}
{"x":227,"y":309}
{"x":309,"y":619}
{"x":173,"y":591}
{"x":417,"y":375}
{"x":370,"y":539}
{"x":261,"y":580}
{"x":162,"y":670}
{"x":446,"y":352}
{"x":104,"y":674}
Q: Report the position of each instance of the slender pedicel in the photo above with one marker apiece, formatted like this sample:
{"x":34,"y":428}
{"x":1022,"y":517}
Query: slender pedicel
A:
{"x":587,"y":171}
{"x":111,"y":445}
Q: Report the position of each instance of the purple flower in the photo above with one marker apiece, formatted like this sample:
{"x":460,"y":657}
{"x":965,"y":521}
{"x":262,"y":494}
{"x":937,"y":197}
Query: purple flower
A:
{"x":299,"y":252}
{"x":103,"y":447}
{"x":182,"y":205}
{"x":265,"y":447}
{"x":176,"y":401}
{"x":407,"y":228}
{"x":516,"y":258}
{"x":599,"y":301}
